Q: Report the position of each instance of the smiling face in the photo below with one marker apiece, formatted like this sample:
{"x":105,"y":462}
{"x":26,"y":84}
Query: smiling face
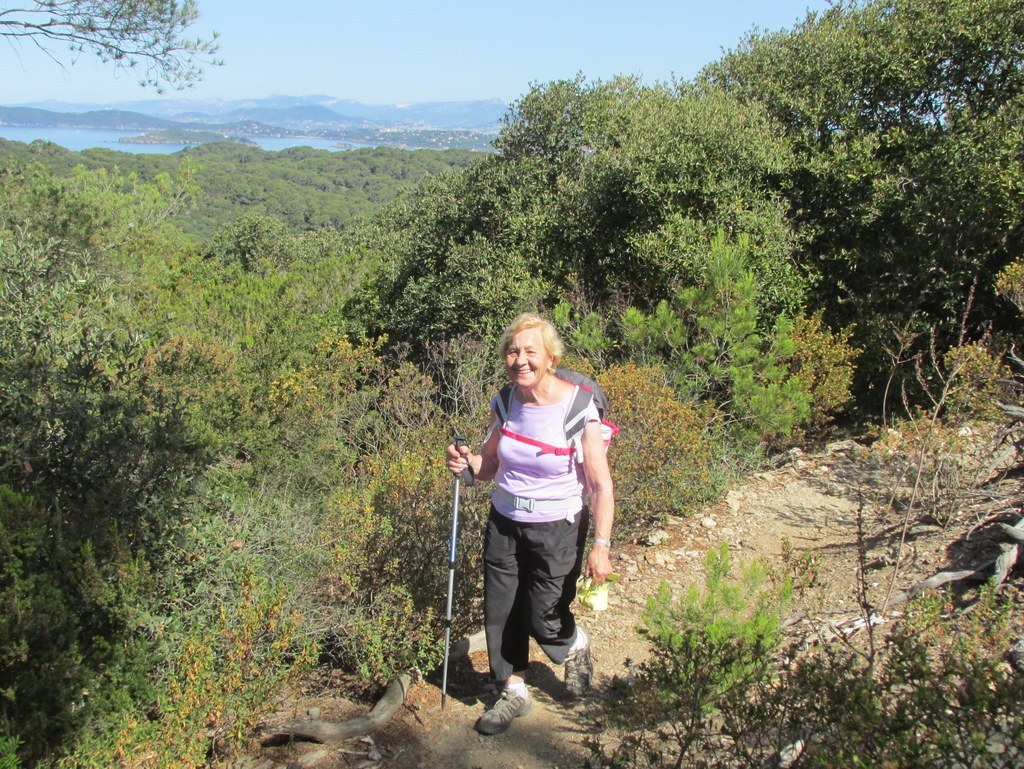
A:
{"x":527,"y":360}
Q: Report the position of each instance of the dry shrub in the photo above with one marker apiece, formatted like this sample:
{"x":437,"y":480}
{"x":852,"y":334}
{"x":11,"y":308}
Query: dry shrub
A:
{"x":394,"y":527}
{"x":220,"y":681}
{"x":1010,"y":283}
{"x":934,"y":464}
{"x":940,"y":694}
{"x":822,"y":362}
{"x":204,"y":379}
{"x":663,"y":460}
{"x":978,"y":383}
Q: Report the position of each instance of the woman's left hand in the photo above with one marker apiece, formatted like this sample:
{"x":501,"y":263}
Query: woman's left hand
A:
{"x":599,"y":564}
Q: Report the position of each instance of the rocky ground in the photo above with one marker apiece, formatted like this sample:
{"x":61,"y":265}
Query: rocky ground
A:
{"x":805,"y":518}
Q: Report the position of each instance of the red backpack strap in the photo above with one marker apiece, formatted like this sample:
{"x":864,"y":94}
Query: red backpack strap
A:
{"x":545,"y":448}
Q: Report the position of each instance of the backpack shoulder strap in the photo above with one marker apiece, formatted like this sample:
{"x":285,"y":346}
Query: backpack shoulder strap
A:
{"x":576,"y":414}
{"x":586,"y":383}
{"x":503,"y":403}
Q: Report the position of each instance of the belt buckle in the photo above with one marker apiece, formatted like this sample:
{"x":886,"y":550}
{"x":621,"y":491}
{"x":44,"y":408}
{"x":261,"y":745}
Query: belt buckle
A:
{"x":522,"y":503}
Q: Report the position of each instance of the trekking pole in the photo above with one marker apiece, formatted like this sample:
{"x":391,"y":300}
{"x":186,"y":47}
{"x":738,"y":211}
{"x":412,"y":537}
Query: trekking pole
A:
{"x":459,"y":442}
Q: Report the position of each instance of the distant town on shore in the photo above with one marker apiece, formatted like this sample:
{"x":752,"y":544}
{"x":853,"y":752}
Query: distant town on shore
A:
{"x":436,"y":125}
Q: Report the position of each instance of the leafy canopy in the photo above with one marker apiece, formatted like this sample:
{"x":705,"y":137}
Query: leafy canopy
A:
{"x":145,"y":36}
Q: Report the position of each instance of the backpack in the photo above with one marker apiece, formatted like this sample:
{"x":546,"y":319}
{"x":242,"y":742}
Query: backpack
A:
{"x":586,"y":391}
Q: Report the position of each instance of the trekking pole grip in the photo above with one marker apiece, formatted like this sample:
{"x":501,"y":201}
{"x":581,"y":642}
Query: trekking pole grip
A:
{"x":467,"y":474}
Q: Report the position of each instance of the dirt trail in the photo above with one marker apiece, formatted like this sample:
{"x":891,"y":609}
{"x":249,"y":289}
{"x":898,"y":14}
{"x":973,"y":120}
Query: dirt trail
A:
{"x":801,"y":517}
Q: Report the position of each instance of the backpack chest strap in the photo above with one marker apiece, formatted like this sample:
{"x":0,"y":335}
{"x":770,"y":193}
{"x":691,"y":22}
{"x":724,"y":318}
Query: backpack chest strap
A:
{"x":545,"y":448}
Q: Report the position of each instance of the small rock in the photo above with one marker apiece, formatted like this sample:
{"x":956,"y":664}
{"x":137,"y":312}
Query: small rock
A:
{"x":656,"y":537}
{"x":1017,"y":656}
{"x":734,"y":499}
{"x":708,"y":523}
{"x":839,"y":447}
{"x":248,"y":762}
{"x":997,"y":744}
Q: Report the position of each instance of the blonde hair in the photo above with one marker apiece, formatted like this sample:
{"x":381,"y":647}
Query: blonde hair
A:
{"x":549,"y":336}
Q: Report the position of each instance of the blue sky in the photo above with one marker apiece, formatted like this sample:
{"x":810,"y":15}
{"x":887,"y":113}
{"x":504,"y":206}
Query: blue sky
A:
{"x":399,"y":51}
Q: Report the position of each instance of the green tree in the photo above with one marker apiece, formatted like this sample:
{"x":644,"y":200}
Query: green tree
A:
{"x":449,"y":259}
{"x":904,"y":117}
{"x":254,"y":242}
{"x":303,"y":188}
{"x":144,"y":36}
{"x":710,"y":335}
{"x":601,"y":195}
{"x":710,"y":649}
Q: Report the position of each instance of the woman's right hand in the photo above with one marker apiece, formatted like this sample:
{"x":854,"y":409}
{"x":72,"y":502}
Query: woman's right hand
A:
{"x":458,"y":458}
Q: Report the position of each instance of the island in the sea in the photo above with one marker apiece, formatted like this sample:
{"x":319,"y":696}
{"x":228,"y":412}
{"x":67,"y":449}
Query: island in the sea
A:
{"x":184,"y":136}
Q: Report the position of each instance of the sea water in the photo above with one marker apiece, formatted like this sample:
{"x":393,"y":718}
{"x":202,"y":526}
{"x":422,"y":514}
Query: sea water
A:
{"x":77,"y":139}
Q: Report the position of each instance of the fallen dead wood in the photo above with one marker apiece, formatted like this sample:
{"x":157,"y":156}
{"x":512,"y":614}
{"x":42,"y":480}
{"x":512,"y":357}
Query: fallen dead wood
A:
{"x":1014,"y":533}
{"x":996,"y":570}
{"x":318,"y":730}
{"x":1015,"y":413}
{"x":1004,"y":563}
{"x":936,"y":581}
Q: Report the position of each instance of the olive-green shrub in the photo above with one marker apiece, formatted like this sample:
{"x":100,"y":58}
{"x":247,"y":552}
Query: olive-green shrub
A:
{"x":220,"y":680}
{"x":823,"y":363}
{"x":663,"y":460}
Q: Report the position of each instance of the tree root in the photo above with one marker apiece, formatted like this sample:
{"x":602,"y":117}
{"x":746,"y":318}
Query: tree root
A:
{"x":996,"y":570}
{"x":317,"y":730}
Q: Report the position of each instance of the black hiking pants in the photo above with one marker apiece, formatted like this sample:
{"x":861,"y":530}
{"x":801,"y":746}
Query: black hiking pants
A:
{"x":530,"y":573}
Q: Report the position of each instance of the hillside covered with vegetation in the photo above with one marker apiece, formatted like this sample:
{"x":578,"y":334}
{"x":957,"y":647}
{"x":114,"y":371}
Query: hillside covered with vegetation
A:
{"x":222,"y":432}
{"x":303,"y":188}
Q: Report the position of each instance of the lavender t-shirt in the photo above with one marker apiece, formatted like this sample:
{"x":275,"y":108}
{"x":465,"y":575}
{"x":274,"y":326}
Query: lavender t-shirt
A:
{"x":526,"y":472}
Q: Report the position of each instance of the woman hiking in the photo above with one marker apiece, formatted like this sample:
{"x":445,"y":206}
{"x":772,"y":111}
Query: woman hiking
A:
{"x":537,"y":529}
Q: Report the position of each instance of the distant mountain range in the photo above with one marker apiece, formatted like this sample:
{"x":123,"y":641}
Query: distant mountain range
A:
{"x":434,"y":124}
